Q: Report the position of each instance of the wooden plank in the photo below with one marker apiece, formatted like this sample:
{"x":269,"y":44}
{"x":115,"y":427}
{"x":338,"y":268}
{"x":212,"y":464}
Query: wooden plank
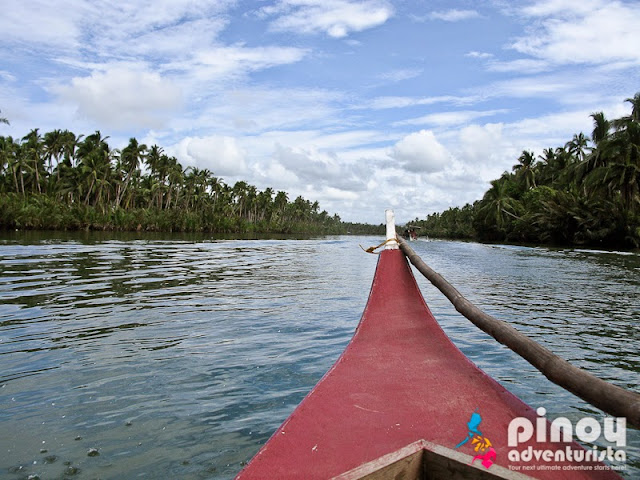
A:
{"x":423,"y":460}
{"x":406,"y":463}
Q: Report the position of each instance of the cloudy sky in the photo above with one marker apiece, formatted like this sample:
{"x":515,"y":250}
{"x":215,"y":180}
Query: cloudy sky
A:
{"x":361,"y":105}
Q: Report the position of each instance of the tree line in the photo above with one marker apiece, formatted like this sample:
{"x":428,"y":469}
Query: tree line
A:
{"x":586,"y":192}
{"x":61,"y":180}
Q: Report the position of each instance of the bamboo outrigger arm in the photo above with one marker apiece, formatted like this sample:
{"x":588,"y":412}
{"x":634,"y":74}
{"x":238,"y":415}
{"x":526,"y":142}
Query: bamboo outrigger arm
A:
{"x":609,"y":398}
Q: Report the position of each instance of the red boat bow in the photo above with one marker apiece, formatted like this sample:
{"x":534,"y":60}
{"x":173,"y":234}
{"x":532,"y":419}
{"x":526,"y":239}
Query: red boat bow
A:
{"x":401,"y":381}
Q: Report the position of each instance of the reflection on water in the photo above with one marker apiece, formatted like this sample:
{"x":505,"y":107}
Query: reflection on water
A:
{"x":173,"y":358}
{"x":177,"y":357}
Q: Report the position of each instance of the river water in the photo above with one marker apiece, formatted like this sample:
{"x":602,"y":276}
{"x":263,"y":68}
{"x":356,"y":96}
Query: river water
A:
{"x":177,"y":357}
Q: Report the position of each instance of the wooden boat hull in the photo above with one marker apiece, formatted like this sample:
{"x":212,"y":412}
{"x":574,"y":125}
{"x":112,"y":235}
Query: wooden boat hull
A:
{"x":400,"y":381}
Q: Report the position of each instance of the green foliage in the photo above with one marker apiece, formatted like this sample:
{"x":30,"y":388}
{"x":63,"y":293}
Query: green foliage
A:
{"x":452,"y":223}
{"x":62,"y":181}
{"x":584,"y":193}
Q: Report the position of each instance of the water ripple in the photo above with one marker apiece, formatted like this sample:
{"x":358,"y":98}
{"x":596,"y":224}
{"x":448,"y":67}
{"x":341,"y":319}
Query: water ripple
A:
{"x":179,"y":357}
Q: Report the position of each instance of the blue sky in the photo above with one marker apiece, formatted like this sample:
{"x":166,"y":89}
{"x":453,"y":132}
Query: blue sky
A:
{"x":361,"y":105}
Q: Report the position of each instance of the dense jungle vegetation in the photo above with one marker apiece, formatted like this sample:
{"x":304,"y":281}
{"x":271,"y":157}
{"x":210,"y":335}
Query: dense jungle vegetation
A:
{"x":64,"y":181}
{"x":586,"y":192}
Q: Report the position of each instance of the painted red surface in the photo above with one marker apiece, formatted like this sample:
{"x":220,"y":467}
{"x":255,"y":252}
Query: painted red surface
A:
{"x":399,"y":380}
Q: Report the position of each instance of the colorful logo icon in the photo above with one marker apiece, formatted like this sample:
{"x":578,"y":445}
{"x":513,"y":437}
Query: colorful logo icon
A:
{"x":480,"y":443}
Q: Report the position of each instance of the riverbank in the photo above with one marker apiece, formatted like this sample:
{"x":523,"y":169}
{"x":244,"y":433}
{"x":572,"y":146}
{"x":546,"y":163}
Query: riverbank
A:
{"x":584,"y":193}
{"x":41,"y":212}
{"x":64,"y":181}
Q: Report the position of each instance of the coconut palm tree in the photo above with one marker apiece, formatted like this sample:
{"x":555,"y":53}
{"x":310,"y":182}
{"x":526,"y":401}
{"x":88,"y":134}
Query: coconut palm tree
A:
{"x":191,"y":187}
{"x":618,"y":168}
{"x":131,"y":158}
{"x":71,"y":142}
{"x":545,"y":167}
{"x":33,"y":150}
{"x":578,"y":146}
{"x":251,"y":199}
{"x":175,"y":177}
{"x":215,"y":187}
{"x":601,"y":127}
{"x":19,"y":166}
{"x":635,"y":107}
{"x":153,"y":159}
{"x":525,"y":169}
{"x":239,"y":193}
{"x":598,"y":157}
{"x":281,"y":200}
{"x":265,"y":203}
{"x":620,"y":178}
{"x":54,"y":146}
{"x":497,"y":206}
{"x":76,"y":170}
{"x":8,"y":154}
{"x":4,"y":120}
{"x":95,"y":169}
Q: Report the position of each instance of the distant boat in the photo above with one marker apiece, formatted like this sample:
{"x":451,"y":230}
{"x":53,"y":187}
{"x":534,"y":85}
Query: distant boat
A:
{"x":403,"y":402}
{"x":410,"y":232}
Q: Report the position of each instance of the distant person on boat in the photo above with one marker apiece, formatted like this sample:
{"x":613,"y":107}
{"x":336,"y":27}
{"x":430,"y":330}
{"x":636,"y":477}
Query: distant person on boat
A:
{"x":410,"y":233}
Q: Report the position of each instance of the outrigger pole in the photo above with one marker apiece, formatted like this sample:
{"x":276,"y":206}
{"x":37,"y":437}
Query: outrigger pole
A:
{"x":607,"y":397}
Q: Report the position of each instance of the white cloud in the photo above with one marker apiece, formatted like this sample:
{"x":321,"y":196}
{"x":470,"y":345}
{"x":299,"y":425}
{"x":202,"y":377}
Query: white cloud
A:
{"x":481,"y":55}
{"x":222,"y":63}
{"x":542,"y":8}
{"x":352,"y":144}
{"x":176,"y":40}
{"x":443,"y":119}
{"x":399,"y":75}
{"x":592,"y":32}
{"x":557,"y":127}
{"x":179,"y":38}
{"x":421,"y":152}
{"x":253,"y":110}
{"x":454,"y":15}
{"x":550,"y":86}
{"x":7,"y":76}
{"x":525,"y":66}
{"x":383,"y":103}
{"x":331,"y":193}
{"x":336,"y":18}
{"x":24,"y":114}
{"x":220,"y":154}
{"x":41,"y":23}
{"x":103,"y":30}
{"x":316,"y":168}
{"x":123,"y":97}
{"x":270,"y":171}
{"x":484,"y":151}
